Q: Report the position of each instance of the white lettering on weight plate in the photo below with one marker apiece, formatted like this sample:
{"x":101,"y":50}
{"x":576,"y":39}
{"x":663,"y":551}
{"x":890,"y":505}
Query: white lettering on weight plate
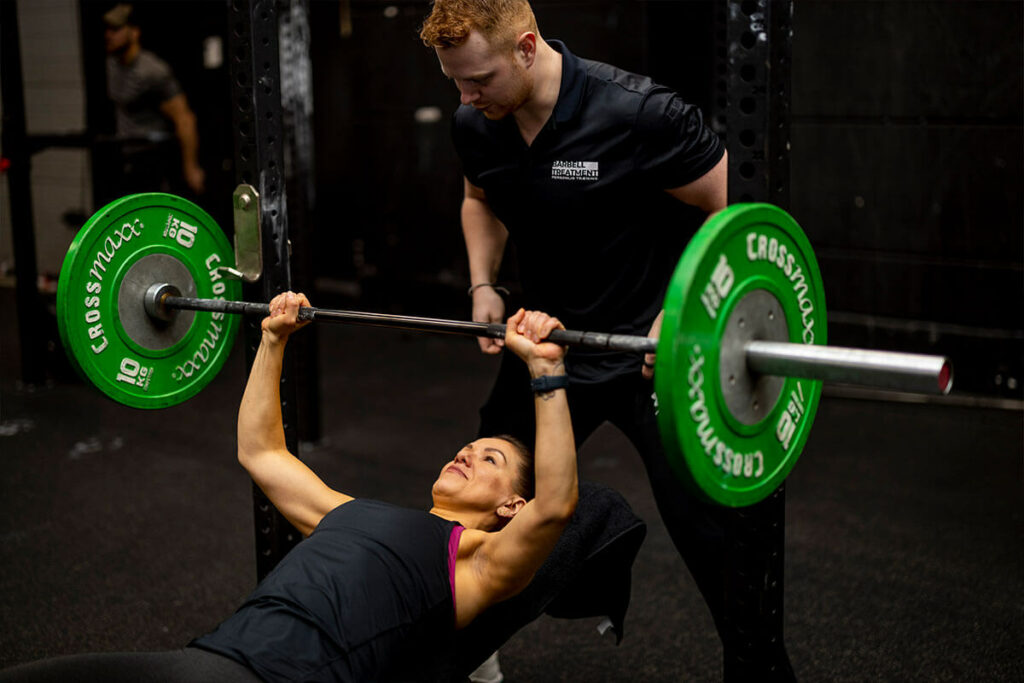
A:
{"x":114,"y":241}
{"x":718,"y":287}
{"x":785,"y":429}
{"x":180,"y":231}
{"x":763,"y":248}
{"x":134,"y":373}
{"x":730,"y":460}
{"x":93,"y":315}
{"x":208,"y":345}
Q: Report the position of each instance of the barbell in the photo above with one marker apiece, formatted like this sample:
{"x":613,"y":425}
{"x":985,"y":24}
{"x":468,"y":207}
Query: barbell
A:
{"x":148,"y":315}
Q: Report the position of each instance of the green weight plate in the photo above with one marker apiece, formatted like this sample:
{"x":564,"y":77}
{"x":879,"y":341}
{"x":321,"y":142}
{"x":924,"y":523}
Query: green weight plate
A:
{"x":128,"y":245}
{"x":749,"y":273}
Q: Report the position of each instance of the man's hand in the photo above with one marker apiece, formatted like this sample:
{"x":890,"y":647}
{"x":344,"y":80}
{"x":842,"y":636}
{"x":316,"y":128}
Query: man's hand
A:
{"x":488,"y":307}
{"x":195,"y":178}
{"x":283,"y":318}
{"x":654,"y":333}
{"x":184,"y":120}
{"x":524,"y":334}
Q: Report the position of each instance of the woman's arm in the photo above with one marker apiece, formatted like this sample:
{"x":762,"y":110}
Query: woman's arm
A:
{"x":508,"y":559}
{"x":294,"y":489}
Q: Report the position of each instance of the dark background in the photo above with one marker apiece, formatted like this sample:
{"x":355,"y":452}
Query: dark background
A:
{"x":907,"y":176}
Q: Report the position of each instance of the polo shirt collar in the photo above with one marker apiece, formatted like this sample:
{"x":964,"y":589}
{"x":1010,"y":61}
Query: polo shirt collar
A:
{"x":570,"y":93}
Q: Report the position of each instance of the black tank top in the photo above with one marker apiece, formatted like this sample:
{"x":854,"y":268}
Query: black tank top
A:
{"x":365,"y":598}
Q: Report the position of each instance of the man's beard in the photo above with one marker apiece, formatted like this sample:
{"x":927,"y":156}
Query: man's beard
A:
{"x":522,"y":88}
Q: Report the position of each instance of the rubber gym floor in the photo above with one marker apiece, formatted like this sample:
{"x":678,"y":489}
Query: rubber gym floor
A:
{"x":132,"y":530}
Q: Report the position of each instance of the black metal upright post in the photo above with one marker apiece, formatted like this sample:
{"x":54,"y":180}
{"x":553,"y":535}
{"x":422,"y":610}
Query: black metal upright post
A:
{"x":259,"y":161}
{"x":17,"y":152}
{"x":755,"y":52}
{"x":758,"y":50}
{"x":297,"y":105}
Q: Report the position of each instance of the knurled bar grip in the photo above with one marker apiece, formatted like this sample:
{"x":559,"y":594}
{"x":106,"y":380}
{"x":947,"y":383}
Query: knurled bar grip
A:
{"x":600,"y":340}
{"x":884,"y":369}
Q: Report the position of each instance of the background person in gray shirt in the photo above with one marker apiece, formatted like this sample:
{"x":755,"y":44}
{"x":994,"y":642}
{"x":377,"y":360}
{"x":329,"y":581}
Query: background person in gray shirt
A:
{"x":150,"y":110}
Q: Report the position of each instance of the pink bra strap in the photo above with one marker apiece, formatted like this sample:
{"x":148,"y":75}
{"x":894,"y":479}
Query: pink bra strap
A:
{"x":453,"y":552}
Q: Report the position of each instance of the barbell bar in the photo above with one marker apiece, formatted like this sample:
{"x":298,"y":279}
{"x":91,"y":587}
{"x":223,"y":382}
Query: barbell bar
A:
{"x":158,"y":299}
{"x":917,"y":373}
{"x":147,"y":315}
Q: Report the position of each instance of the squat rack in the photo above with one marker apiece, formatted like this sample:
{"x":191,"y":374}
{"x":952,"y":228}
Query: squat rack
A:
{"x":262,"y":131}
{"x":753,"y":57}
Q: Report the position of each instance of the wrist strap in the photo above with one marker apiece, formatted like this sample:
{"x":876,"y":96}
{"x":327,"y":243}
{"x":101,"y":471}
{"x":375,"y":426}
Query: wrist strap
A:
{"x":492,"y":285}
{"x":546,"y":383}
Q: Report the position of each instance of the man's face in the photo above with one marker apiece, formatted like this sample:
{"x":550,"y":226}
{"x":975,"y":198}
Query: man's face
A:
{"x":118,"y":39}
{"x":496,"y":82}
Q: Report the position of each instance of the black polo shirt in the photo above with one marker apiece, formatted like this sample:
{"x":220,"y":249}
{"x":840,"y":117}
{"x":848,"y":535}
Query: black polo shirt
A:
{"x":596,"y":236}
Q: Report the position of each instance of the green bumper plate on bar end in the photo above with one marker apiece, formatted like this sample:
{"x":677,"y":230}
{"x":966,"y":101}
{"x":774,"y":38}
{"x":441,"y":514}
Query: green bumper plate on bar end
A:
{"x":745,"y":253}
{"x":126,"y":246}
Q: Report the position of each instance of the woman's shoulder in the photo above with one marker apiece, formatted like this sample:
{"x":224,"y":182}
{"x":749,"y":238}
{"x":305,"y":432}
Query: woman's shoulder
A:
{"x":471,"y":541}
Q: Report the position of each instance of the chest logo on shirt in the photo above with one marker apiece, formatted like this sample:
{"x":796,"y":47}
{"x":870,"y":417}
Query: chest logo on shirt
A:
{"x":574,"y":170}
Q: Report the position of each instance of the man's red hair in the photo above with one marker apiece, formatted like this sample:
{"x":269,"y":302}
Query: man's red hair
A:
{"x":501,"y":22}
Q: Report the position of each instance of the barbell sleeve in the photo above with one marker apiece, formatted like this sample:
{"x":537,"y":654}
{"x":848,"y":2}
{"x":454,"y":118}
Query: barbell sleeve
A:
{"x":883,"y":369}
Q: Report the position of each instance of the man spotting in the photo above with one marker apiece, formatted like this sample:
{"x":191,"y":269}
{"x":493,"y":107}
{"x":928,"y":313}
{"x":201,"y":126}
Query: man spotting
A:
{"x":583,"y":166}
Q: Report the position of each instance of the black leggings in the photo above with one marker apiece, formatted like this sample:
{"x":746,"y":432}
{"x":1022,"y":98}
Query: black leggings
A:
{"x":190,"y":665}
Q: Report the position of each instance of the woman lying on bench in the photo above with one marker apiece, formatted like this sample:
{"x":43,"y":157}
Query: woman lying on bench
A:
{"x":375,"y":592}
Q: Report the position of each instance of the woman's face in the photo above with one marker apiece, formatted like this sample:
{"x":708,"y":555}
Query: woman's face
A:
{"x":481,"y":477}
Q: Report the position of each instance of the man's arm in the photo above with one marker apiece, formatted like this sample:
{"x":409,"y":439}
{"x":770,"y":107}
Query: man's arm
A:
{"x":709,"y":192}
{"x":509,"y":558}
{"x":295,"y":490}
{"x":485,"y":245}
{"x":178,"y":111}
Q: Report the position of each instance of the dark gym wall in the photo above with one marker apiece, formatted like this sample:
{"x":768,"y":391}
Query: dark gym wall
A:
{"x":907,"y":176}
